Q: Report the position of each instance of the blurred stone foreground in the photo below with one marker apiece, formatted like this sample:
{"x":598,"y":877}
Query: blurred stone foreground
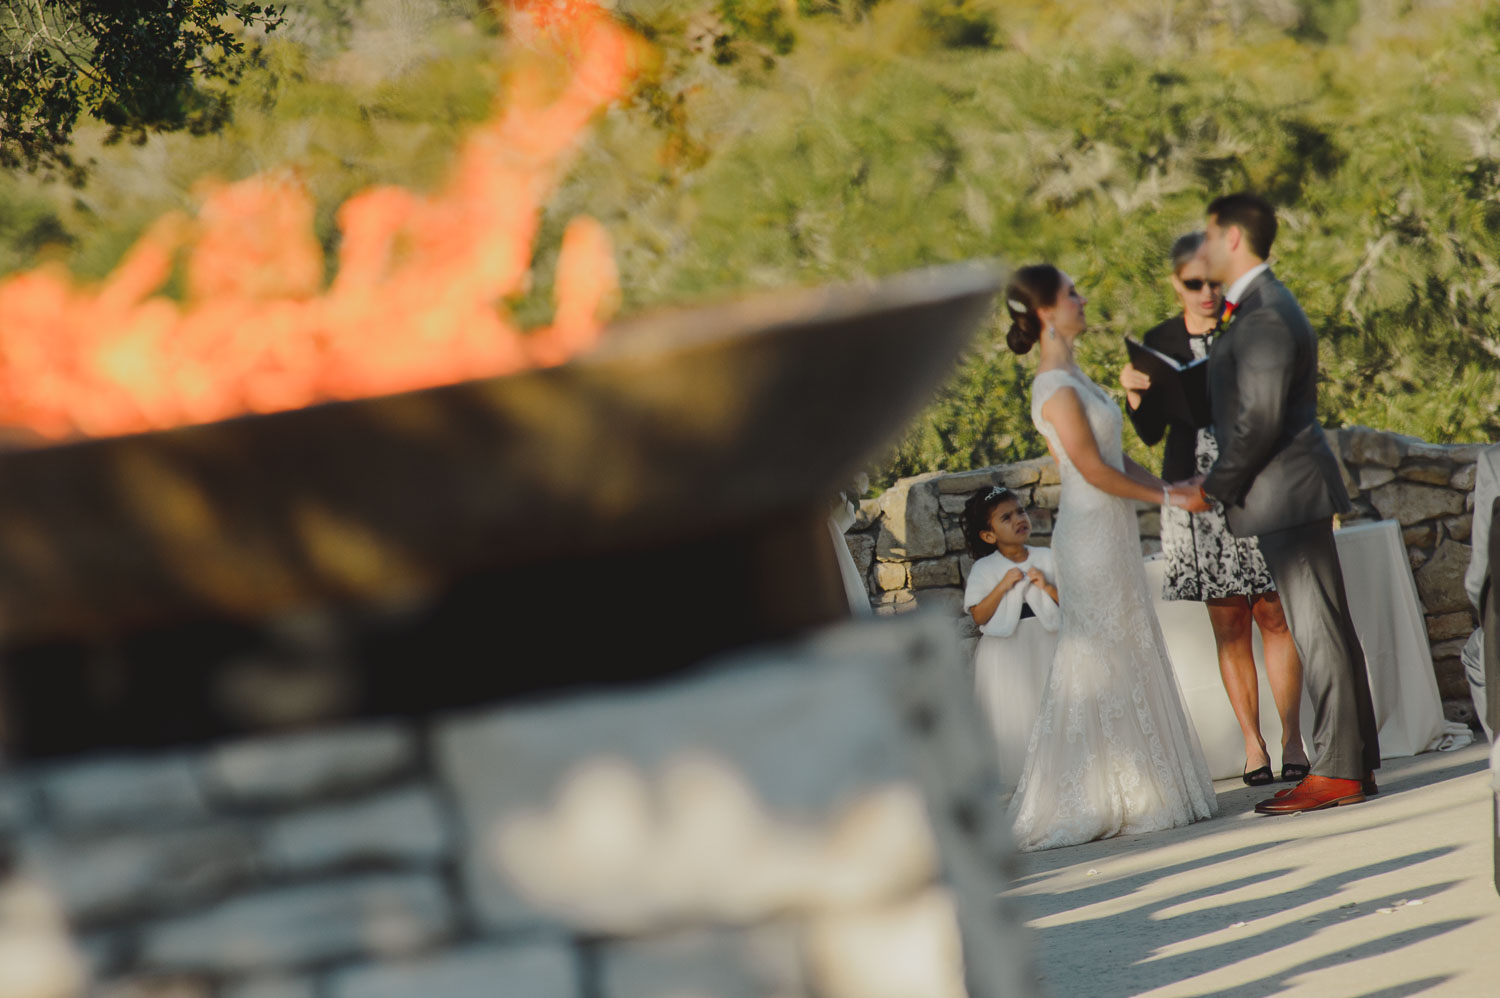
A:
{"x":817,"y":820}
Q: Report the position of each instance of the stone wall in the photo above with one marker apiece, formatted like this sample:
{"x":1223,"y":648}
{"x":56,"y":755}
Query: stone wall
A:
{"x":810,"y":821}
{"x":911,"y":552}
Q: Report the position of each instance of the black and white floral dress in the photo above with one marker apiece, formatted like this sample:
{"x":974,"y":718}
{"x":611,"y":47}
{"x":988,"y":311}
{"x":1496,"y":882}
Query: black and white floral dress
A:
{"x":1204,"y":560}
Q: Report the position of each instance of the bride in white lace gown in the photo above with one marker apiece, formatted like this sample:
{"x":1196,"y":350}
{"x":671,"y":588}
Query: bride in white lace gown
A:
{"x":1112,"y":751}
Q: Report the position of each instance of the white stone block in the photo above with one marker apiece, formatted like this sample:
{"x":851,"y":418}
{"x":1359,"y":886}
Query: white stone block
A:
{"x":132,"y":873}
{"x":935,"y":572}
{"x":1460,"y":527}
{"x":910,"y":527}
{"x":286,"y":928}
{"x":1373,"y":476}
{"x":777,"y":782}
{"x":1362,"y":446}
{"x":785,"y":783}
{"x":891,"y":575}
{"x":960,"y":484}
{"x":908,"y":950}
{"x":407,"y":826}
{"x":1431,"y":472}
{"x":103,"y":953}
{"x":1411,"y":502}
{"x":866,"y":514}
{"x":862,"y":550}
{"x":529,"y":970}
{"x":722,"y":963}
{"x":272,"y":987}
{"x":37,"y":958}
{"x":155,"y":986}
{"x":1440,"y":579}
{"x":122,"y":790}
{"x":951,"y":503}
{"x":17,"y":802}
{"x":948,"y":602}
{"x":291,"y":769}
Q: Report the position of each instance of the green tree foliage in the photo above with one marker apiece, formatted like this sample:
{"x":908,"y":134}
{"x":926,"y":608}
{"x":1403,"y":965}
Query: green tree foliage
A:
{"x":1092,"y":134}
{"x":773,"y":143}
{"x":137,"y":65}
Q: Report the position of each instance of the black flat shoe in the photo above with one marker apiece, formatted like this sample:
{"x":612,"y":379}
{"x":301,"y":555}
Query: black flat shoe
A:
{"x":1294,"y":772}
{"x":1258,"y":777}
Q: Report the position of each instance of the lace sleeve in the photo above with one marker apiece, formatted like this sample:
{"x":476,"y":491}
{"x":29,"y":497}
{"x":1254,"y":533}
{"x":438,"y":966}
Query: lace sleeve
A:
{"x":1043,"y":386}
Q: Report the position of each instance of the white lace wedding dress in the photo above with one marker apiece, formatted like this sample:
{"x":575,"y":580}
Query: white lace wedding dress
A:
{"x":1112,"y":751}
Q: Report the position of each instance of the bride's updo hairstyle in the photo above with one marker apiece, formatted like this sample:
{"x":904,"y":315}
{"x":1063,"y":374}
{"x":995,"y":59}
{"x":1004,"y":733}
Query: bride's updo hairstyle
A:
{"x":1030,"y":288}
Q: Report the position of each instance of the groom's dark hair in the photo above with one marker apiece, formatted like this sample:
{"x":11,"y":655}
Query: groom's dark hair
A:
{"x":1254,"y":215}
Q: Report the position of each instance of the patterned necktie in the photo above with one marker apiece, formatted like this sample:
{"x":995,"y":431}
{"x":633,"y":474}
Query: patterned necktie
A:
{"x":1229,"y":307}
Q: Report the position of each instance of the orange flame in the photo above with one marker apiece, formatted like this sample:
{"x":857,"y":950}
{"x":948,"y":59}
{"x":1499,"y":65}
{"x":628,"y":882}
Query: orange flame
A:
{"x":415,"y":300}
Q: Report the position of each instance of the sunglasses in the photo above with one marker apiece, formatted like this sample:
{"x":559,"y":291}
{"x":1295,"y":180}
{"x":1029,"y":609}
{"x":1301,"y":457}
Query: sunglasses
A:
{"x":1196,"y":284}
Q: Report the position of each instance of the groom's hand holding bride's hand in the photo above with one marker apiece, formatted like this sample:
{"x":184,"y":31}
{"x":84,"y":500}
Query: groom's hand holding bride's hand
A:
{"x":1189,"y":495}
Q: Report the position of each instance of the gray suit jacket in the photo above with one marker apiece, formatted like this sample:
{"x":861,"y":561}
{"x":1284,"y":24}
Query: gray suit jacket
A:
{"x":1275,"y":468}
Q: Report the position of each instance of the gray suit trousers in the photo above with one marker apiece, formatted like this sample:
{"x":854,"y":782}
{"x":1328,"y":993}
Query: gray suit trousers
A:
{"x":1305,"y":565}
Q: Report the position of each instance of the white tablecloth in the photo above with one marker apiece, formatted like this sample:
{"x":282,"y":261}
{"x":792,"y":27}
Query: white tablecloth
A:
{"x":1388,"y":618}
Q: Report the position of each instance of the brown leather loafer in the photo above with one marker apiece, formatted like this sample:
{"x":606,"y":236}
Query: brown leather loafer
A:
{"x":1367,"y":786}
{"x":1313,"y":794}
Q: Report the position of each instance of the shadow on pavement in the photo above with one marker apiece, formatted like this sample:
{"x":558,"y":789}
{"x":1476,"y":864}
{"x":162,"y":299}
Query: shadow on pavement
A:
{"x":1409,"y":988}
{"x":1144,"y":942}
{"x":1276,"y":983}
{"x":1202,"y":961}
{"x":1039,"y":905}
{"x":1137,"y":934}
{"x":1429,"y":768}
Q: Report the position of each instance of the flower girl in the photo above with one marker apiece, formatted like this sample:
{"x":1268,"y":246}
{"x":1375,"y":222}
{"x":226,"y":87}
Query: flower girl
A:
{"x":1012,"y":595}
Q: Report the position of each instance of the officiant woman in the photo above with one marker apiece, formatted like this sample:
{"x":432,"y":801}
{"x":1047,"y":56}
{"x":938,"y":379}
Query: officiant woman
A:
{"x":1205,"y":562}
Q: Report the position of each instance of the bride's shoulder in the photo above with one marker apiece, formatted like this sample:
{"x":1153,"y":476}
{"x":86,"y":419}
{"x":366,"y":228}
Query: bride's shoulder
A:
{"x":1056,"y":374}
{"x":1048,"y":381}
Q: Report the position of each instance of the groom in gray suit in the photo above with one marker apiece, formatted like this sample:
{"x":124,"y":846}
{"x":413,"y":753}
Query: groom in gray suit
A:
{"x":1279,"y":482}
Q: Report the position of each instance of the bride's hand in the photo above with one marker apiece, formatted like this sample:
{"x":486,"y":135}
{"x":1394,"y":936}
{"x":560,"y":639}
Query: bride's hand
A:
{"x":1188,"y":496}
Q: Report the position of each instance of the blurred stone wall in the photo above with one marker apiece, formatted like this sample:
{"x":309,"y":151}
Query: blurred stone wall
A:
{"x":816,"y":820}
{"x":908,"y":545}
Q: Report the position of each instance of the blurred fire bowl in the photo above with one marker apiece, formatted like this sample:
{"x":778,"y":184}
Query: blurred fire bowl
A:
{"x":616,"y":517}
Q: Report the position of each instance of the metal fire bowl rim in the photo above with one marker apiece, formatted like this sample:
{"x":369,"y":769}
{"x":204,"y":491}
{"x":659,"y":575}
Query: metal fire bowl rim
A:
{"x":659,"y":332}
{"x":683,"y":423}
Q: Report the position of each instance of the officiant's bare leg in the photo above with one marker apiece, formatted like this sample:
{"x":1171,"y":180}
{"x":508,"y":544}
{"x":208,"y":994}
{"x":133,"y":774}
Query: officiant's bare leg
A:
{"x":1231,"y":619}
{"x":1284,"y":671}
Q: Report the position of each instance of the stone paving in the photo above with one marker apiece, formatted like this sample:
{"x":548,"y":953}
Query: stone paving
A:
{"x":1386,"y":899}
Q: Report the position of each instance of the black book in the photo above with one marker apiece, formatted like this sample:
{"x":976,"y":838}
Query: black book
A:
{"x":1178,"y":392}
